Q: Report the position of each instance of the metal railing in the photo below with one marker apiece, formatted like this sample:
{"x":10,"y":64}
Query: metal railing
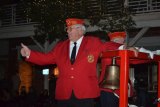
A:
{"x":14,"y":15}
{"x":144,"y":6}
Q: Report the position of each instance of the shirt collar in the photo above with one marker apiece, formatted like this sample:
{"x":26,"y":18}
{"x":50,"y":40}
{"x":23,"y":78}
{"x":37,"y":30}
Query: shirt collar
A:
{"x":78,"y":41}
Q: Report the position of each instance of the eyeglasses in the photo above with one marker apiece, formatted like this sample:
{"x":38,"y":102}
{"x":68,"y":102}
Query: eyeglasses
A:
{"x":71,"y":28}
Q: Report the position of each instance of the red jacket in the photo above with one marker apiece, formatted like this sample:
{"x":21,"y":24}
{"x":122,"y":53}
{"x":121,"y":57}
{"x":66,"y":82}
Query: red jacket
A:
{"x":81,"y":77}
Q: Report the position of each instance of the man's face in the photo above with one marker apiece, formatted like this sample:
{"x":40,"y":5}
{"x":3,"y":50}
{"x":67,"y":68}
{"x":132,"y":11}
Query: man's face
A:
{"x":74,"y":32}
{"x":118,"y":40}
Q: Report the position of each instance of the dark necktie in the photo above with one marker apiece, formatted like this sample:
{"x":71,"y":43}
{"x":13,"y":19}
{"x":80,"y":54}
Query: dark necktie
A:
{"x":73,"y":54}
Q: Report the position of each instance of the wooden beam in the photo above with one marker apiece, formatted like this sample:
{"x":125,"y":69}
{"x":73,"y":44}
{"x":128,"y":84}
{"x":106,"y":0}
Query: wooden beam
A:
{"x":138,"y":36}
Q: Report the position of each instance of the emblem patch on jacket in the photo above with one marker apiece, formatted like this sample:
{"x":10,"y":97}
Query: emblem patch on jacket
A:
{"x":90,"y":58}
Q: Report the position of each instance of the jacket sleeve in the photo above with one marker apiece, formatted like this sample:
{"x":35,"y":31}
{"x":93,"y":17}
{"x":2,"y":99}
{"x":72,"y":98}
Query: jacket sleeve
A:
{"x":40,"y":58}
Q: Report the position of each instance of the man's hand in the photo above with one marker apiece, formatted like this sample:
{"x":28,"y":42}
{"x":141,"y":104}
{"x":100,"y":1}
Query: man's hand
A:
{"x":25,"y":51}
{"x":134,"y":49}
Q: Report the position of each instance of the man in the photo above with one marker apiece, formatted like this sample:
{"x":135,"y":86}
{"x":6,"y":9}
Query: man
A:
{"x":118,"y":37}
{"x":77,"y":84}
{"x":110,"y":97}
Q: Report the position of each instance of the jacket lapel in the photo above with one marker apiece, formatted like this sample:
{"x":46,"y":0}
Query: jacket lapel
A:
{"x":66,"y":53}
{"x":81,"y":49}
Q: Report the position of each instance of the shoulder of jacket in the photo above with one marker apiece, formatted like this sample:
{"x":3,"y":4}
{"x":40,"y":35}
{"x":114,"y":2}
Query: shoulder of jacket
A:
{"x":91,"y":37}
{"x":61,"y":43}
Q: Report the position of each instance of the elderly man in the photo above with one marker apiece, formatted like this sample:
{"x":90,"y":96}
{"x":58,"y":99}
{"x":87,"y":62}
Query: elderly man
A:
{"x":76,"y":58}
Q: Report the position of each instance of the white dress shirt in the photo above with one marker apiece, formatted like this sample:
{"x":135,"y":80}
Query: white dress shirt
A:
{"x":77,"y":46}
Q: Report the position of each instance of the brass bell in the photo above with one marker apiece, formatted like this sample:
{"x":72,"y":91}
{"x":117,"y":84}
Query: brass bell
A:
{"x":112,"y":76}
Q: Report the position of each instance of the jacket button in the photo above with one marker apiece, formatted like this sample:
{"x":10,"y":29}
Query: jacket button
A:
{"x":72,"y":77}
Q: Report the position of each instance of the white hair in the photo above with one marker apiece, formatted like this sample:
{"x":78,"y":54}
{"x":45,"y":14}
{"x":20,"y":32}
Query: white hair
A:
{"x":82,"y":26}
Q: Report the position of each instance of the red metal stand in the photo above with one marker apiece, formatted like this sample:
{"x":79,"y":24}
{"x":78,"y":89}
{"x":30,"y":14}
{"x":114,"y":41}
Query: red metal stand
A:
{"x":127,"y":57}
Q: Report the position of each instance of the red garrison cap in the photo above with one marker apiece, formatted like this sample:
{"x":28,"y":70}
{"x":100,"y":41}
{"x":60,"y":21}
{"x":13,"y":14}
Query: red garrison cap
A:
{"x":74,"y":21}
{"x":116,"y":34}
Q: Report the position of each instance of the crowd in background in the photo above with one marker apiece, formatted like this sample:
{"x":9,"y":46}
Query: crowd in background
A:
{"x":10,"y":98}
{"x":23,"y":99}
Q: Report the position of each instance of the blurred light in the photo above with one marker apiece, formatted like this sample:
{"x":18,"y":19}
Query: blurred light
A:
{"x":56,"y":72}
{"x":45,"y":71}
